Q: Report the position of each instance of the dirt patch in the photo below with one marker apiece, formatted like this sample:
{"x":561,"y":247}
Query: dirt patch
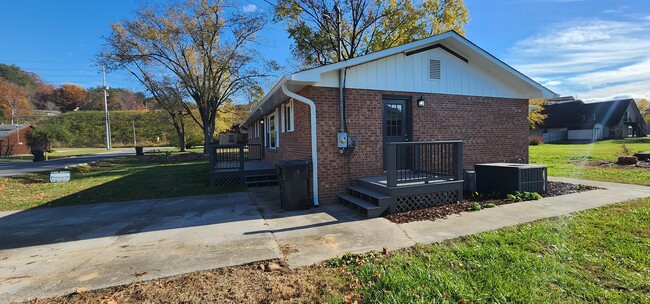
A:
{"x":441,"y":212}
{"x":252,"y":283}
{"x":638,"y":165}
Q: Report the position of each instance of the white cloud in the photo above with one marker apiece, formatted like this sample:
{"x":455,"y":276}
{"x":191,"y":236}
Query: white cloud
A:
{"x":249,"y":8}
{"x":594,"y":59}
{"x":619,"y":10}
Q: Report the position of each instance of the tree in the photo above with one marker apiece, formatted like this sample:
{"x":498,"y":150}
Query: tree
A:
{"x":254,"y":95}
{"x":535,"y":116}
{"x":644,"y":107}
{"x":70,"y":97}
{"x":41,"y":138}
{"x":168,"y":96}
{"x":366,"y":25}
{"x":13,"y":101}
{"x":203,"y":46}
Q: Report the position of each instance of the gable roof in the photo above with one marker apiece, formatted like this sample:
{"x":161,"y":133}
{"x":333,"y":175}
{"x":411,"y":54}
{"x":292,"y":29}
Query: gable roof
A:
{"x":449,"y":41}
{"x":7,"y":129}
{"x":580,"y":115}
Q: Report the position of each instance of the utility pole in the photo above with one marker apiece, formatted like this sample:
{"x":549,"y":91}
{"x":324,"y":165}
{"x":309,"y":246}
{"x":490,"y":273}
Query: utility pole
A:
{"x":107,"y":121}
{"x":135,"y":143}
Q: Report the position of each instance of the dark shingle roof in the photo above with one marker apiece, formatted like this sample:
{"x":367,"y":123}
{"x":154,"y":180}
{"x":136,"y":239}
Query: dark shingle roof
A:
{"x":580,"y":115}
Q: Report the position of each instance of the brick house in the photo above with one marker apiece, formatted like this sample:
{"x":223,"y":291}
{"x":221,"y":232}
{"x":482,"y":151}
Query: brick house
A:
{"x":12,"y":139}
{"x":436,"y":105}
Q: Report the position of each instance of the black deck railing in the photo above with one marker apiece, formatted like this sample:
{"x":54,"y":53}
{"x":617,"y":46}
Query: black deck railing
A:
{"x":232,"y":157}
{"x":424,"y":161}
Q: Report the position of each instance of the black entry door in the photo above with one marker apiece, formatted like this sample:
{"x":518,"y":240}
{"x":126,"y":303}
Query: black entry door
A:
{"x":395,"y":125}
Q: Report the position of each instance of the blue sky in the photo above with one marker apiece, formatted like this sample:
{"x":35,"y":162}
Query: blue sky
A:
{"x":592,"y":49}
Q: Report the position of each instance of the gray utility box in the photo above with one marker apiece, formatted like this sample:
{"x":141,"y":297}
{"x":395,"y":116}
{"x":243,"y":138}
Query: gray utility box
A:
{"x":469,"y":181}
{"x":509,"y":177}
{"x":294,"y":192}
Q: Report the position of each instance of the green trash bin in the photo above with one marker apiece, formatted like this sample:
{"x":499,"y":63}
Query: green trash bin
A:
{"x":293,"y":176}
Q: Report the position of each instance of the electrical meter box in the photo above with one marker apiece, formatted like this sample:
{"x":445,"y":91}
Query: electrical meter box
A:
{"x":342,"y":140}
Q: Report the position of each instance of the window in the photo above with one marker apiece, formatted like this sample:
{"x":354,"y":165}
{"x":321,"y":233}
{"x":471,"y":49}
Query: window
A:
{"x":271,"y":128}
{"x":287,"y":116}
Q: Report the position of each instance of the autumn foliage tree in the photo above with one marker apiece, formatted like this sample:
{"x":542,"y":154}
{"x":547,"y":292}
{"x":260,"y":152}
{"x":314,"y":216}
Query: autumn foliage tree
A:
{"x":70,"y":97}
{"x":207,"y":46}
{"x":535,"y":115}
{"x":367,"y":25}
{"x":13,"y":101}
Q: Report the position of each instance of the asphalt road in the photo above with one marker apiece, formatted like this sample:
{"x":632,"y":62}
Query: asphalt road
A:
{"x":18,"y":168}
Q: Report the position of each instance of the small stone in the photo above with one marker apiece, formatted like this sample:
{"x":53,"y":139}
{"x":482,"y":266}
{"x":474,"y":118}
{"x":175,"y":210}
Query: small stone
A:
{"x":272,"y":266}
{"x":80,"y":290}
{"x":262,"y":267}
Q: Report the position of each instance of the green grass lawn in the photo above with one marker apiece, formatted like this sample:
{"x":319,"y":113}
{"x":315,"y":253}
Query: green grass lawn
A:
{"x":580,"y":160}
{"x":121,"y":179}
{"x":596,"y":256}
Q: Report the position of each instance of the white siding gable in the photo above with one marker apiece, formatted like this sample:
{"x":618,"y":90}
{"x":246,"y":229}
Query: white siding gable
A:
{"x":411,"y":74}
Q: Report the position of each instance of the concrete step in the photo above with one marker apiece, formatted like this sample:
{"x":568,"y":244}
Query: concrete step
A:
{"x":365,"y":207}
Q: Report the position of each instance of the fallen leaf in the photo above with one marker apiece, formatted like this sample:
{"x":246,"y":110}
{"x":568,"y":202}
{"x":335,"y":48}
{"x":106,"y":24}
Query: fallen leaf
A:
{"x":80,"y":290}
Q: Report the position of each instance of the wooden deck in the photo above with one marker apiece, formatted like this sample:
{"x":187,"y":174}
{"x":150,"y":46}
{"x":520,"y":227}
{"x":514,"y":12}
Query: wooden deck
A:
{"x":249,"y":165}
{"x":255,"y":173}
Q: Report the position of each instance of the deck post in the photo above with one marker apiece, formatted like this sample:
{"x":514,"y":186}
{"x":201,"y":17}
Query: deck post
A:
{"x":241,"y":157}
{"x":391,"y":165}
{"x":458,"y":160}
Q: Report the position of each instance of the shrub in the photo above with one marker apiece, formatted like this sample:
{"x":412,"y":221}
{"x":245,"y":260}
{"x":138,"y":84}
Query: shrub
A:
{"x":523,"y":196}
{"x":535,"y":140}
{"x":489,"y":205}
{"x":474,"y":206}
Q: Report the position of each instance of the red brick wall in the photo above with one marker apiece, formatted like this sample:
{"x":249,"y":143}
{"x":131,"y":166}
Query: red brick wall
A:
{"x":17,"y":140}
{"x":494,"y":129}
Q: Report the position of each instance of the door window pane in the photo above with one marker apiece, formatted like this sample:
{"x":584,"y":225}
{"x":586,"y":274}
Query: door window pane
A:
{"x":394,"y":119}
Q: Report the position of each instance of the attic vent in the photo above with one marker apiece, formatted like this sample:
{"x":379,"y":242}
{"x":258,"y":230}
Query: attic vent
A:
{"x":434,"y":69}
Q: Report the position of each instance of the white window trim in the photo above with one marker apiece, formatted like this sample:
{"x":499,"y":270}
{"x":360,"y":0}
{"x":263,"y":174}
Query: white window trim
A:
{"x":267,"y":129}
{"x":291,"y":115}
{"x":282,"y":117}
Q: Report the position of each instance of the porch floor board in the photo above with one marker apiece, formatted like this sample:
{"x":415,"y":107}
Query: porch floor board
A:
{"x":383,"y":181}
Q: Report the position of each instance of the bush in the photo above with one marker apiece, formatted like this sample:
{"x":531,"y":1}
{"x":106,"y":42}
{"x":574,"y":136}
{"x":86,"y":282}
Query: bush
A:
{"x":535,"y":140}
{"x":523,"y":196}
{"x":474,"y":206}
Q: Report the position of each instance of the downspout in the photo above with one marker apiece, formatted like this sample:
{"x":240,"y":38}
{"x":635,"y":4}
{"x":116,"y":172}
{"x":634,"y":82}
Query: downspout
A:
{"x":314,"y":142}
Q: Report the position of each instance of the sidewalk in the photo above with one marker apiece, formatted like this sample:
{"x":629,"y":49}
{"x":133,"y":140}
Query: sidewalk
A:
{"x":48,"y":252}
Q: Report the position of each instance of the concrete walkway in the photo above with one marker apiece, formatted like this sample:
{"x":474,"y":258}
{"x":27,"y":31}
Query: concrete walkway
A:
{"x":47,"y":252}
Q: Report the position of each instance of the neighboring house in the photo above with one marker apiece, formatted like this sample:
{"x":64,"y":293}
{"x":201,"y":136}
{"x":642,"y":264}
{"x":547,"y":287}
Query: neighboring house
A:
{"x":12,"y":139}
{"x":234,"y":136}
{"x":577,"y":120}
{"x":396,"y":102}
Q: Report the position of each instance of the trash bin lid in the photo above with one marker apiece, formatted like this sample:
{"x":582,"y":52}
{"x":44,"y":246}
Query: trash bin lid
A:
{"x":293,"y":163}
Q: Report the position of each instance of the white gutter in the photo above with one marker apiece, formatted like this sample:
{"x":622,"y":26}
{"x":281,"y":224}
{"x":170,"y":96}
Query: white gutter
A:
{"x":314,"y":142}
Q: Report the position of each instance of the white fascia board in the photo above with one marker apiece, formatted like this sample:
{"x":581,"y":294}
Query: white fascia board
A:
{"x":274,"y":98}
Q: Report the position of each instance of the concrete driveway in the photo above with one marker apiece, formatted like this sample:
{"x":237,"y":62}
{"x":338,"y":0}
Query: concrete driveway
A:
{"x":51,"y":251}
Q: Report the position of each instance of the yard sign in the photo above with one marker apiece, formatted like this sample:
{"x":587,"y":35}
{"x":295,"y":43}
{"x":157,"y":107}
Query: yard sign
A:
{"x":59,"y":176}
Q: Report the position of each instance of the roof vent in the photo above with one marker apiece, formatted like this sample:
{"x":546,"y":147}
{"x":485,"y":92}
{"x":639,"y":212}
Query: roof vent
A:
{"x":434,"y":69}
